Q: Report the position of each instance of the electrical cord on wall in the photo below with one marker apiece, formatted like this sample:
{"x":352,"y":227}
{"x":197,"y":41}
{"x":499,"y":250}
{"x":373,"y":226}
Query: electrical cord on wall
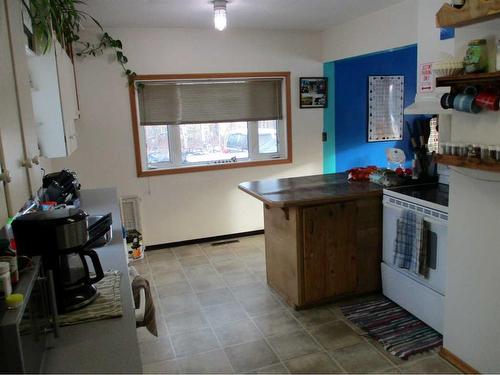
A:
{"x":476,"y":178}
{"x":149,"y":185}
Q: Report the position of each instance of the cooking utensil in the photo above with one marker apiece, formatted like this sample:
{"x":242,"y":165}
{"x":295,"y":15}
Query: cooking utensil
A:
{"x":426,"y":130}
{"x":419,"y":128}
{"x":412,"y":137}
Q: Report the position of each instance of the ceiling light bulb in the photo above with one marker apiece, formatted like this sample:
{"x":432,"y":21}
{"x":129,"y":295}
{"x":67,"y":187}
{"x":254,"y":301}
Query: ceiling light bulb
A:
{"x":220,"y":20}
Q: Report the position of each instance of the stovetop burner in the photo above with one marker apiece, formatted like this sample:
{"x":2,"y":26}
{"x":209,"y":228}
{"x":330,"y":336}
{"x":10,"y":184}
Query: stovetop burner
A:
{"x":434,"y":193}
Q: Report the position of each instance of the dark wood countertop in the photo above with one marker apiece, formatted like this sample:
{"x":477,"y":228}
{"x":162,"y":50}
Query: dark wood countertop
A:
{"x":309,"y":190}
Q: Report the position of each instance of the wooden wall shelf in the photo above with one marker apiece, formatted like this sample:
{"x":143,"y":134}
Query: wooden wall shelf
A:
{"x":492,"y":78}
{"x":474,"y":11}
{"x":471,"y":163}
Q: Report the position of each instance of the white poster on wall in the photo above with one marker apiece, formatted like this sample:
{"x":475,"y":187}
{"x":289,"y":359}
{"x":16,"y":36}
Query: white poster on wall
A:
{"x":385,"y":108}
{"x":426,"y":83}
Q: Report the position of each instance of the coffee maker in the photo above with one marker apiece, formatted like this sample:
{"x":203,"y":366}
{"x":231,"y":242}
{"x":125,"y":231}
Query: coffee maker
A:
{"x":60,"y":236}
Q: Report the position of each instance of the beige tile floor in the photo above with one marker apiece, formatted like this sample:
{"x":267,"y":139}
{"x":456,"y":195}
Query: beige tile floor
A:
{"x":216,"y":314}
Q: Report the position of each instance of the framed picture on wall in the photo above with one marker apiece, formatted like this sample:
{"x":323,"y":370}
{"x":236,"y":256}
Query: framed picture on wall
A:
{"x":313,"y":92}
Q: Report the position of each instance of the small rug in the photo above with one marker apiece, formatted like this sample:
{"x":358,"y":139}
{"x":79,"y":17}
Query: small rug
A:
{"x":400,"y":333}
{"x":106,"y":306}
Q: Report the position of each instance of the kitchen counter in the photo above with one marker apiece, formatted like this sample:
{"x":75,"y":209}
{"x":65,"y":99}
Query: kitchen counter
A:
{"x":309,"y":190}
{"x":105,"y":346}
{"x":323,"y":236}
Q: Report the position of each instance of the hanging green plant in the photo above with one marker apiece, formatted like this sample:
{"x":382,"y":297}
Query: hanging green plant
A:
{"x":63,"y":19}
{"x":105,"y":42}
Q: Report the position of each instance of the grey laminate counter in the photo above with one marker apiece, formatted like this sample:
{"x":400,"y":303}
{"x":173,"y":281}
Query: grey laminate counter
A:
{"x":309,"y":190}
{"x":105,"y":346}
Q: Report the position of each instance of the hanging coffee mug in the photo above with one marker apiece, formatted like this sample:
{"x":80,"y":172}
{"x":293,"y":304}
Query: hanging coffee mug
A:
{"x":471,"y":90}
{"x":466,"y":102}
{"x":488,"y":101}
{"x":447,"y":100}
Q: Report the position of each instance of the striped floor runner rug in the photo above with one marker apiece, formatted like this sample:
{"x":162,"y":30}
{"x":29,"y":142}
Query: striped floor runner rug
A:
{"x":396,"y":329}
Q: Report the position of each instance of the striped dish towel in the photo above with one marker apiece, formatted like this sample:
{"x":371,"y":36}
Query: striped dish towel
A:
{"x":106,"y":306}
{"x":410,"y":247}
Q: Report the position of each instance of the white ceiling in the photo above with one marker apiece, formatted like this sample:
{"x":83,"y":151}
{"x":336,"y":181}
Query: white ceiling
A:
{"x":312,"y":15}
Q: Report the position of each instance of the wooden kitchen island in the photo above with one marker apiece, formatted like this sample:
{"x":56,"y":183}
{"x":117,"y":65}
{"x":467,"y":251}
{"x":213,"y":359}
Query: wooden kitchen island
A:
{"x":323,"y":236}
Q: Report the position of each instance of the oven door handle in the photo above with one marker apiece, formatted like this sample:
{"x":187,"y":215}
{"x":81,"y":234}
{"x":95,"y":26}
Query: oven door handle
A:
{"x":426,"y":218}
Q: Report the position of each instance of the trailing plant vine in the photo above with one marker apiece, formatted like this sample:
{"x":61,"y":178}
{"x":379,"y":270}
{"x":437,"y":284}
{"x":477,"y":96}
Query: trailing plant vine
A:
{"x":107,"y":42}
{"x":63,"y":19}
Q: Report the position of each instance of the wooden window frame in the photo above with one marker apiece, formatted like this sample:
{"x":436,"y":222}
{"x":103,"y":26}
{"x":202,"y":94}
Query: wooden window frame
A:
{"x":201,"y":168}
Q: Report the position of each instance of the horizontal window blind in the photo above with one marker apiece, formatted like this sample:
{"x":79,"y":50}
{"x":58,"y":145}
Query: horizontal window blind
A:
{"x":199,"y":102}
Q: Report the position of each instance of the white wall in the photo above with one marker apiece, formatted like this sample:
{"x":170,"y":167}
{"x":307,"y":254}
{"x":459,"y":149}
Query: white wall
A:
{"x":194,"y":205}
{"x":472,"y":305}
{"x":430,"y":47}
{"x":392,"y":27}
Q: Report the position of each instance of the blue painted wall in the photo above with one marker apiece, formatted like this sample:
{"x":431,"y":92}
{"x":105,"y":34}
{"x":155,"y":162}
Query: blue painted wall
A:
{"x":347,"y":118}
{"x":329,"y":120}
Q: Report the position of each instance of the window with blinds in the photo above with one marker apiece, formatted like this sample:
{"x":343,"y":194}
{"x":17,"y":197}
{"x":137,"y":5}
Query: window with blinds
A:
{"x":185,"y":123}
{"x":191,"y":102}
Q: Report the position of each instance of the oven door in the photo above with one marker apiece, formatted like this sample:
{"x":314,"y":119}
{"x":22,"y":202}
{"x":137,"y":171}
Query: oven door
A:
{"x":438,"y":232}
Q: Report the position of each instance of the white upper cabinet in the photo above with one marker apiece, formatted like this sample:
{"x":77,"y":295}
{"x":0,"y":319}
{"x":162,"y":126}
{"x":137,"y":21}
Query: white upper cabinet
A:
{"x":14,"y":176}
{"x":54,"y":101}
{"x":17,"y":38}
{"x":69,"y":101}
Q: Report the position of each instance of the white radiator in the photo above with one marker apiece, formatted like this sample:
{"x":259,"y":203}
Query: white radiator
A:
{"x":131,"y":213}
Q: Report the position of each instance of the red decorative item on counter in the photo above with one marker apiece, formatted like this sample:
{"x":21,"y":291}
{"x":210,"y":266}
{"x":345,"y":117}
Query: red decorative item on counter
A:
{"x":403,"y":172}
{"x":361,"y":173}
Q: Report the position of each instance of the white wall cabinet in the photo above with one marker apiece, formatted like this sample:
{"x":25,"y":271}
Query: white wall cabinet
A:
{"x":15,"y":181}
{"x":54,"y":101}
{"x":23,"y":92}
{"x":37,"y":112}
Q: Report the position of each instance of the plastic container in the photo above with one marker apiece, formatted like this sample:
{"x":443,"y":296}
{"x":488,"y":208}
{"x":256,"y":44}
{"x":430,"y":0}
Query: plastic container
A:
{"x":14,"y":301}
{"x":492,"y":151}
{"x":463,"y":149}
{"x":8,"y":254}
{"x":476,"y":59}
{"x":5,"y":285}
{"x":446,"y":148}
{"x":442,"y":148}
{"x":485,"y":152}
{"x":14,"y":272}
{"x":476,"y":149}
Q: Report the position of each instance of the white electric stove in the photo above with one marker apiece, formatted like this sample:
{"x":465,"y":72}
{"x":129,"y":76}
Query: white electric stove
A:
{"x":423,"y":297}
